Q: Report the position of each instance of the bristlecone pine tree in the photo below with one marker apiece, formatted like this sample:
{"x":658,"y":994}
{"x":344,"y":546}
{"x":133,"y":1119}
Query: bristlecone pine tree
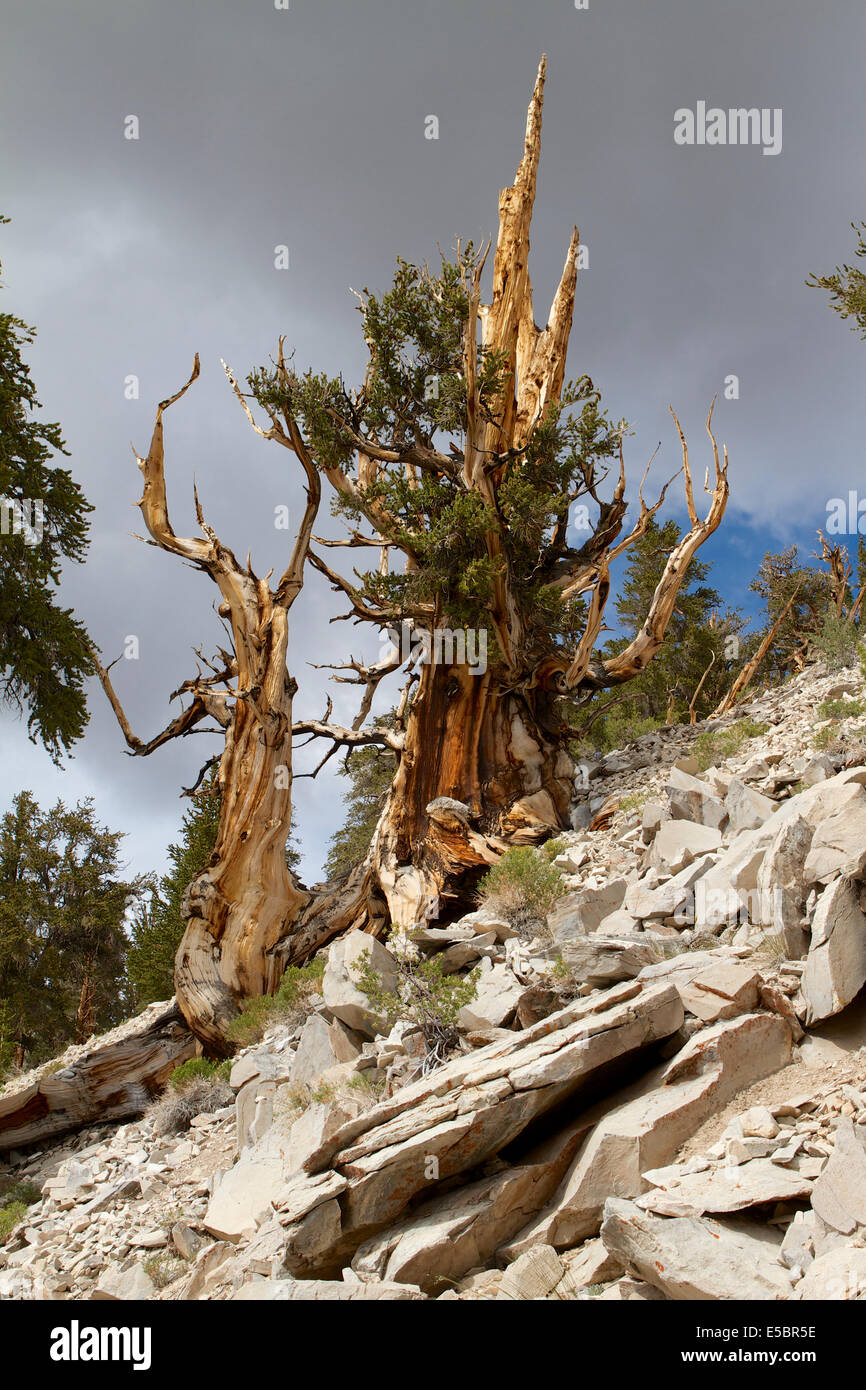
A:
{"x":459,"y":460}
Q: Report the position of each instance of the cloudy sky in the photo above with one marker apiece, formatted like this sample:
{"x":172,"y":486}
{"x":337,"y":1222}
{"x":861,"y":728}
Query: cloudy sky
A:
{"x":305,"y":127}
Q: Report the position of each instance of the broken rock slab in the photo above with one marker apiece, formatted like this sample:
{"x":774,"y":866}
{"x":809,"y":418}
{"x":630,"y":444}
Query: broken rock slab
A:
{"x":748,"y":809}
{"x":323,"y":1291}
{"x":678,"y":842}
{"x":603,"y":960}
{"x":448,"y":1236}
{"x":721,"y":991}
{"x":693,"y":800}
{"x":459,"y":1116}
{"x":691,"y":1257}
{"x":497,"y":995}
{"x":839,"y":843}
{"x":839,"y":1196}
{"x":340,"y":987}
{"x":644,"y":1126}
{"x":727,"y":1188}
{"x":836,"y":964}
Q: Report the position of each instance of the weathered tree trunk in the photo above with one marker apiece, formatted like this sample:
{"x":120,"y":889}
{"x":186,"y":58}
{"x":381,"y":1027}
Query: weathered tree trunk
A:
{"x":84,"y":1020}
{"x":472,"y":741}
{"x":113,"y":1082}
{"x":243,"y":902}
{"x":497,"y":742}
{"x":239,"y":905}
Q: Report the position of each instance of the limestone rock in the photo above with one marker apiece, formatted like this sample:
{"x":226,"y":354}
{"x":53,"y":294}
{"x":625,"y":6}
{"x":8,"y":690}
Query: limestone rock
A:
{"x":117,"y":1283}
{"x":839,"y":843}
{"x":642,"y":1127}
{"x":532,"y":1276}
{"x":693,"y":800}
{"x":678,"y":842}
{"x":838,"y":1276}
{"x":471,"y":1108}
{"x":323,"y":1291}
{"x":722,"y":990}
{"x":340,"y":986}
{"x":836,"y":964}
{"x":315,"y":1052}
{"x":728,"y":1188}
{"x":747,"y":808}
{"x":602,"y":960}
{"x":497,"y":996}
{"x":693,"y":1257}
{"x":839,"y":1197}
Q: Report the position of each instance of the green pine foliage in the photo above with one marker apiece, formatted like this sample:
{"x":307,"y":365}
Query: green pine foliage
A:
{"x":846,"y":286}
{"x":62,"y":931}
{"x":158,"y":926}
{"x":415,"y":390}
{"x":44,"y":649}
{"x":696,"y":639}
{"x":370,"y":772}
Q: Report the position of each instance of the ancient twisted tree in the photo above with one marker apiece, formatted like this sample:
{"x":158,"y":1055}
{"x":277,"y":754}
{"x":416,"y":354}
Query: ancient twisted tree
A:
{"x":459,"y":461}
{"x":462,"y":460}
{"x":237,"y":907}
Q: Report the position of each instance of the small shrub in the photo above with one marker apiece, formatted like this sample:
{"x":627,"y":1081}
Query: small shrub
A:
{"x":10,"y":1215}
{"x":825,"y":739}
{"x":716,"y":745}
{"x":362,"y":1082}
{"x":14,"y":1204}
{"x":23,"y":1191}
{"x":198,"y":1067}
{"x":838,"y":643}
{"x":178,"y":1107}
{"x":551,"y":848}
{"x":290,"y":1004}
{"x":839,"y":709}
{"x":164,"y":1268}
{"x":325,"y":1091}
{"x":424,"y":995}
{"x":523,"y":886}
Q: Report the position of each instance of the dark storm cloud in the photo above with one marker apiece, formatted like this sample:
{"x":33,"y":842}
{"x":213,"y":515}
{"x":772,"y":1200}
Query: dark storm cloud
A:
{"x":261,"y":127}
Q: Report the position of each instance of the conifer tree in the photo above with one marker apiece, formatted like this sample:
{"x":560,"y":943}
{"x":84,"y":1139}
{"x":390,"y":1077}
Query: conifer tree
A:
{"x":63,"y":942}
{"x":44,"y":649}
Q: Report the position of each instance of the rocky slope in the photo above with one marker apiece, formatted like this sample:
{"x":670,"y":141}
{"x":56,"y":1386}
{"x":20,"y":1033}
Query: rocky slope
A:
{"x":686,"y":1120}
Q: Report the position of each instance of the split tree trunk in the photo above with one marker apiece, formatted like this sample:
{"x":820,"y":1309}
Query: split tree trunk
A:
{"x":471,"y":741}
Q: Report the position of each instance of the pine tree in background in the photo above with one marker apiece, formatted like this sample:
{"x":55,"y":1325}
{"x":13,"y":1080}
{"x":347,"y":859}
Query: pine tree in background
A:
{"x":63,"y":942}
{"x":158,"y":925}
{"x":779,"y":577}
{"x":44,"y":650}
{"x":370,"y":772}
{"x":695,"y":647}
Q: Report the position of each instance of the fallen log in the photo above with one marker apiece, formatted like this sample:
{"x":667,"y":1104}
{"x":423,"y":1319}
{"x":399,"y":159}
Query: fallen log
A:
{"x":113,"y":1081}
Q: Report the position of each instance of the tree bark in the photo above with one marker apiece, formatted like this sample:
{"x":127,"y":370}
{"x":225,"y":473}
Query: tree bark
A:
{"x":468,"y":740}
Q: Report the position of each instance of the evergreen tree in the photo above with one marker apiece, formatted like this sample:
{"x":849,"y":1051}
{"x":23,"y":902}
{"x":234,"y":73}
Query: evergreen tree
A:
{"x":370,"y":772}
{"x":847,"y":286}
{"x":777,"y":579}
{"x":62,"y":938}
{"x":158,"y":925}
{"x":696,"y":640}
{"x":44,"y":650}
